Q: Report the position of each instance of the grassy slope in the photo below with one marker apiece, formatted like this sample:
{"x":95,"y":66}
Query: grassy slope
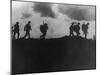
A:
{"x":46,"y":55}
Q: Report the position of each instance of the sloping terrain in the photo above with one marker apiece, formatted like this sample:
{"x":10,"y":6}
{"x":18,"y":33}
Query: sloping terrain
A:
{"x":50,"y":55}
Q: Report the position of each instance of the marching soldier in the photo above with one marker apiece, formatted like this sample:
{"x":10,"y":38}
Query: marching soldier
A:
{"x":71,"y":29}
{"x":43,"y":29}
{"x":27,"y":28}
{"x":16,"y":30}
{"x":85,"y":28}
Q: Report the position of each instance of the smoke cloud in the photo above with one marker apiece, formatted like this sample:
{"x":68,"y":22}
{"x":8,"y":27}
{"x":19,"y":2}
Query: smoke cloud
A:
{"x":26,"y":15}
{"x":45,"y":9}
{"x":84,"y":13}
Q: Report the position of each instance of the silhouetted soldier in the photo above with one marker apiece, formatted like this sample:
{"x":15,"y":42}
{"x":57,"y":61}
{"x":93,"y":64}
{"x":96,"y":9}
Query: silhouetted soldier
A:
{"x":12,"y":31}
{"x":77,"y":29}
{"x":43,"y":29}
{"x":71,"y":29}
{"x":16,"y":30}
{"x":85,"y":29}
{"x":27,"y":28}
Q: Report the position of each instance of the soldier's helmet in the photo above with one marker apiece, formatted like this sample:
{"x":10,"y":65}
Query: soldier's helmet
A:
{"x":17,"y":22}
{"x":45,"y":24}
{"x":29,"y":21}
{"x":78,"y":23}
{"x":72,"y":23}
{"x":88,"y":23}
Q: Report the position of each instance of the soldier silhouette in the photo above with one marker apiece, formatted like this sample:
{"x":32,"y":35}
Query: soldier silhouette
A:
{"x":43,"y":29}
{"x":71,"y":29}
{"x":77,"y":29}
{"x":85,"y":28}
{"x":27,"y":28}
{"x":16,"y":30}
{"x":12,"y":32}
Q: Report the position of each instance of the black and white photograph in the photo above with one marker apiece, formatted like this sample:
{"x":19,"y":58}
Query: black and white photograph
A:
{"x":52,"y":37}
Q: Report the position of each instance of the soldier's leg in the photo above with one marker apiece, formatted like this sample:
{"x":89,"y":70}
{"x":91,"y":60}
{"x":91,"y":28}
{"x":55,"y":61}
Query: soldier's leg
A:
{"x":28,"y":34}
{"x":14,"y":35}
{"x":77,"y":33}
{"x":85,"y":35}
{"x":44,"y":35}
{"x":25,"y":35}
{"x":70,"y":33}
{"x":18,"y":35}
{"x":41,"y":35}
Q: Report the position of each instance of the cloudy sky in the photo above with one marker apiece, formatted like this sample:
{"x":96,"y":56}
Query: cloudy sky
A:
{"x":58,"y":17}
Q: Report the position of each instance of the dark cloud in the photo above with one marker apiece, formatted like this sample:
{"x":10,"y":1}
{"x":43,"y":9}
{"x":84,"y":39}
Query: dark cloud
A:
{"x":78,"y":13}
{"x":45,"y":9}
{"x":26,"y":15}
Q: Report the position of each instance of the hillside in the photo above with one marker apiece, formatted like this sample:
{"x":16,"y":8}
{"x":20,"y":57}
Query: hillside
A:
{"x":50,"y":55}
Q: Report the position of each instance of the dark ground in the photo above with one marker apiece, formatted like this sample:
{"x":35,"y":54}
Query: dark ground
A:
{"x":51,"y":55}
